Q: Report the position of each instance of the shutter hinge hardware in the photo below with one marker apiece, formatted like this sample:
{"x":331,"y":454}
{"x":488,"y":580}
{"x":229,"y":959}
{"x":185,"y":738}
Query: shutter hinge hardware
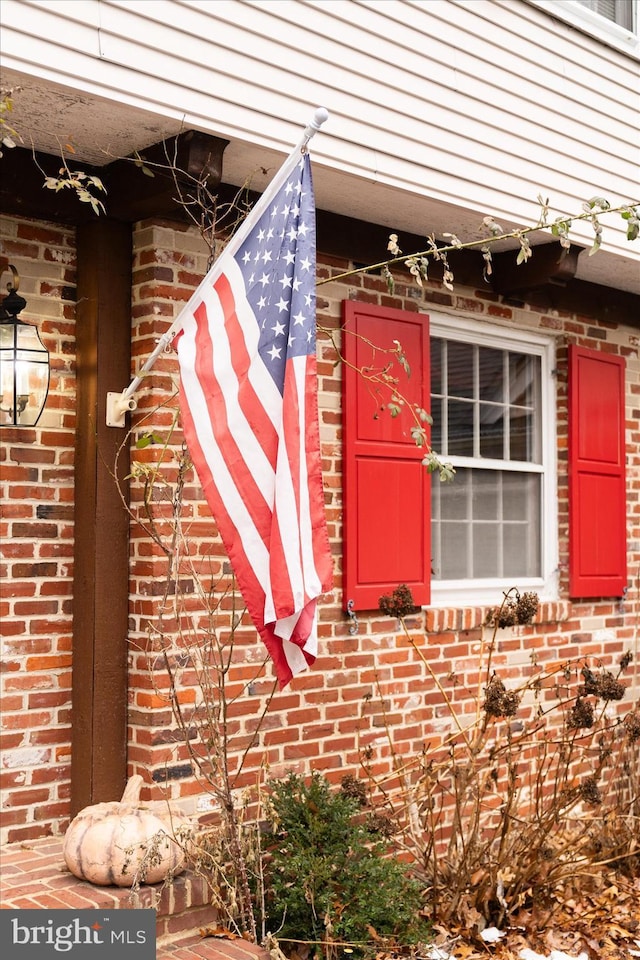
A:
{"x":625,"y":591}
{"x":354,"y":625}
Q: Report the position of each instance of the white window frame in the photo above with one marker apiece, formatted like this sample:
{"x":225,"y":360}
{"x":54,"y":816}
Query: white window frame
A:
{"x":456,"y":593}
{"x":596,"y":25}
{"x":621,"y":8}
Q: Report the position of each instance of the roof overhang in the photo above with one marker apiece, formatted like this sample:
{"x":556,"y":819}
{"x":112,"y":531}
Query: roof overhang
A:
{"x":97,"y":132}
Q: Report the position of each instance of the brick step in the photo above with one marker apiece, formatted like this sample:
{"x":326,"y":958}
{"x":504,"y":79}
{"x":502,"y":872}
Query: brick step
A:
{"x":34,"y":876}
{"x":194,"y":947}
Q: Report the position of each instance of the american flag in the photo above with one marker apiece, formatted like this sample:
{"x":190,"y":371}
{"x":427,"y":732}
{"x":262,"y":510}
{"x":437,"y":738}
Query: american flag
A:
{"x":248,"y":397}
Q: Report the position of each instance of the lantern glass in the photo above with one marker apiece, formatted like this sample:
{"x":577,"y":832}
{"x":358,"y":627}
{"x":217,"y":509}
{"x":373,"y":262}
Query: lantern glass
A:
{"x":24,"y":373}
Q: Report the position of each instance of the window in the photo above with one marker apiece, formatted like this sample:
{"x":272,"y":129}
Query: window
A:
{"x":618,"y":11}
{"x":612,"y":22}
{"x":492,"y":404}
{"x":492,"y":410}
{"x":492,"y":392}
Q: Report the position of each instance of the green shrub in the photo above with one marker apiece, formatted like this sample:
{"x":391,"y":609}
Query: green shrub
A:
{"x":328,"y":878}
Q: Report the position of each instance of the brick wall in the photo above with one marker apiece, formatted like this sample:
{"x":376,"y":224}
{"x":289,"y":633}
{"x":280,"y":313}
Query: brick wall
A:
{"x":362,"y":683}
{"x":37,"y":547}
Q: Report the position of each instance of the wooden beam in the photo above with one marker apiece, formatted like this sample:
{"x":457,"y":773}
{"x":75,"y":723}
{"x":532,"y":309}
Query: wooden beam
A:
{"x":549,"y":264}
{"x":177,"y":165}
{"x":101,"y":562}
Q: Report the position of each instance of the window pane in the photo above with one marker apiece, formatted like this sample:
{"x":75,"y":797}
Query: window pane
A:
{"x":486,"y":552}
{"x":460,"y":428}
{"x":491,"y":431}
{"x":521,"y":440}
{"x":436,"y":426}
{"x":454,"y":497}
{"x":520,"y":551}
{"x":521,"y":512}
{"x":515,"y":495}
{"x":460,"y":369}
{"x":455,"y":551}
{"x":485,"y":495}
{"x":521,"y":377}
{"x":491,"y":374}
{"x":436,"y":365}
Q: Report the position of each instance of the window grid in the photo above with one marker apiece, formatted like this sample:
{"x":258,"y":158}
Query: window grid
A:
{"x":473,"y":556}
{"x":471,"y":542}
{"x":507,"y":407}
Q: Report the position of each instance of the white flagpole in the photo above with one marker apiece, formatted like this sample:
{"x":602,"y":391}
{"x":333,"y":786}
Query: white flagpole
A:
{"x":119,"y":403}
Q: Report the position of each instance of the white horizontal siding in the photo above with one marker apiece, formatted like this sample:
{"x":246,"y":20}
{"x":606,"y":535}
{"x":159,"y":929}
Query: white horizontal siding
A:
{"x":480,"y":104}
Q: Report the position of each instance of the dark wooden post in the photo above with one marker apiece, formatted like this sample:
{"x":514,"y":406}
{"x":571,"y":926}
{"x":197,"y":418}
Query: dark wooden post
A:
{"x":101,"y":564}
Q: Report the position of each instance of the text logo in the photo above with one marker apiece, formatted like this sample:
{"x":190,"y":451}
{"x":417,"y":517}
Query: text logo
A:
{"x":79,"y":934}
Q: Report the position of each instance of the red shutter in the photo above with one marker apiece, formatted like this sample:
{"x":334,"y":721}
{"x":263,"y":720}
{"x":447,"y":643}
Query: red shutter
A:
{"x":386,"y":489}
{"x":597,"y":510}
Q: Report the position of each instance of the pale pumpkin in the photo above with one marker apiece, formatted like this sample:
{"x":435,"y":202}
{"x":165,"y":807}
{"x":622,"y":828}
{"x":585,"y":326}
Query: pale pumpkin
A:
{"x":110,"y":844}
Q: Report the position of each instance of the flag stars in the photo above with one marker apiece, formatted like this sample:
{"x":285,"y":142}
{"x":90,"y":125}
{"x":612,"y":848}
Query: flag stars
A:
{"x":277,"y":262}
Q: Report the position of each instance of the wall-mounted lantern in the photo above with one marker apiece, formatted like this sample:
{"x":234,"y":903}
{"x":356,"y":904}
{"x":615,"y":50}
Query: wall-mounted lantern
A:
{"x":24,"y":363}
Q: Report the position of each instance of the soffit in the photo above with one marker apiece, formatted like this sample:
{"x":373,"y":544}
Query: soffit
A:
{"x":51,"y":118}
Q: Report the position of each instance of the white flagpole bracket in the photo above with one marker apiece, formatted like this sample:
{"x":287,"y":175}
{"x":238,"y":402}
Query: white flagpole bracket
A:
{"x":118,"y":405}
